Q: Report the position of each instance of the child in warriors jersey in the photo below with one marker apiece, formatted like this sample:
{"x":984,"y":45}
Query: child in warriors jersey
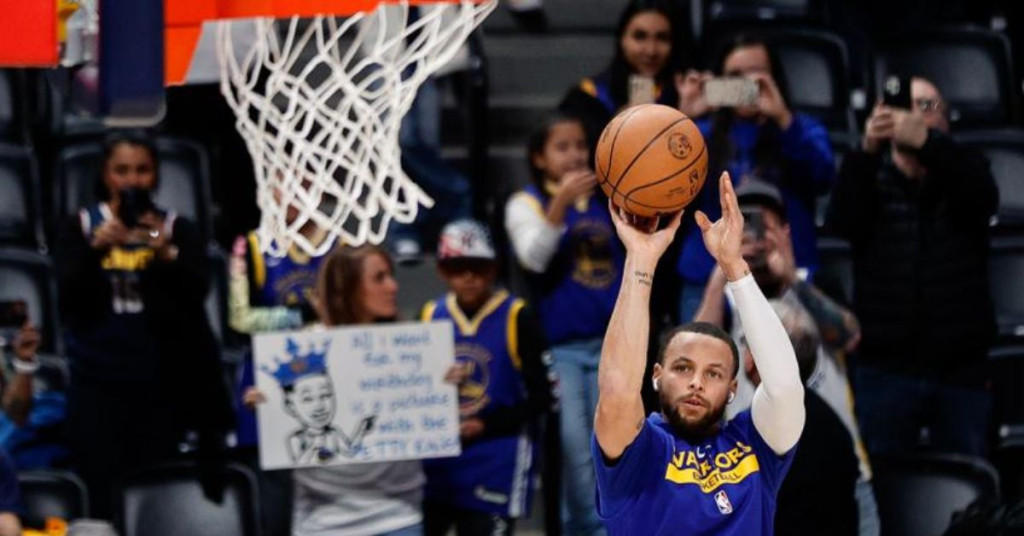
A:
{"x":498,"y":343}
{"x":564,"y":240}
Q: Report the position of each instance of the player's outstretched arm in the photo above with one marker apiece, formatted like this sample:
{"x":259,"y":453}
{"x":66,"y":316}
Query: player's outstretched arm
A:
{"x":620,"y":411}
{"x":778,"y":406}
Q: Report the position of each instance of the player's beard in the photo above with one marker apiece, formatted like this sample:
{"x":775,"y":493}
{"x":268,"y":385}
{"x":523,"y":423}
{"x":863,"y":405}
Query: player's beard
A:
{"x":691,"y":431}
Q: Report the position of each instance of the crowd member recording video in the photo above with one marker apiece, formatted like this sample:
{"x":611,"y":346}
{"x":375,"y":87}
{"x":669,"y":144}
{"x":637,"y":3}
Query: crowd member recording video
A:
{"x":752,"y":133}
{"x":133,"y":279}
{"x":915,"y":206}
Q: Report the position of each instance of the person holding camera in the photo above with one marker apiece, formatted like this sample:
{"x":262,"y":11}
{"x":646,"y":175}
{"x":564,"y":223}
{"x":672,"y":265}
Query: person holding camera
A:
{"x":22,"y":339}
{"x":753,"y":134}
{"x":133,"y":281}
{"x":916,"y":206}
{"x":768,"y":250}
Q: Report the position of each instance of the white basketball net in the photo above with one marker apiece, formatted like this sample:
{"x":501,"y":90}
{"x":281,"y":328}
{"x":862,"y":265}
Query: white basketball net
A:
{"x":319,"y":103}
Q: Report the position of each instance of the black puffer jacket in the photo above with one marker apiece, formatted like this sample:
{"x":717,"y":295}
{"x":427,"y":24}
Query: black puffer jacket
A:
{"x":920,"y":253}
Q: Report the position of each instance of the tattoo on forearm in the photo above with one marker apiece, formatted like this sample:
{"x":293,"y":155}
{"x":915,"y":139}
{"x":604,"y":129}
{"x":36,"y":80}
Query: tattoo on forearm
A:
{"x":644,"y":278}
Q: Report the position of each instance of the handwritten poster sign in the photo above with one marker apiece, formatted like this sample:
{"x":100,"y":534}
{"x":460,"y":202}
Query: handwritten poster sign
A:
{"x":356,"y":394}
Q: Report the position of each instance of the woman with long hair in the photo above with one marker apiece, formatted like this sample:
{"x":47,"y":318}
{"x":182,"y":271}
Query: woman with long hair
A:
{"x":650,"y":45}
{"x":765,"y":141}
{"x":356,"y":285}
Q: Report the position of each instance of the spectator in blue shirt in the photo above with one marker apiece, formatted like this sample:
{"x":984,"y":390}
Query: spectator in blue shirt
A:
{"x":767,"y":141}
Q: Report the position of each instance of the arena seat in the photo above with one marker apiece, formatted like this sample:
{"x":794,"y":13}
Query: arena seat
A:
{"x":168,"y":500}
{"x":184,"y":179}
{"x":8,"y":113}
{"x":531,"y":74}
{"x":217,"y":298}
{"x":46,"y":494}
{"x":918,"y":495}
{"x":28,"y":275}
{"x":816,"y":68}
{"x":835,"y":271}
{"x":1006,"y":264}
{"x":564,"y":15}
{"x":971,"y":66}
{"x":21,"y":222}
{"x":1005,"y":151}
{"x":726,"y":10}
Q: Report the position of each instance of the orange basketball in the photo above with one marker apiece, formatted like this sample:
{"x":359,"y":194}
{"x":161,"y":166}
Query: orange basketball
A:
{"x":651,"y":159}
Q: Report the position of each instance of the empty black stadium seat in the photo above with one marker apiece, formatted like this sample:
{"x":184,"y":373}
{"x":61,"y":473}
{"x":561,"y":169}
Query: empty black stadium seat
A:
{"x":835,"y":271}
{"x":217,"y":298}
{"x":970,"y":66}
{"x":816,"y":69}
{"x":1007,"y":364}
{"x":1005,"y":151}
{"x":7,"y":105}
{"x":531,"y":74}
{"x":21,"y":222}
{"x":168,"y":501}
{"x":918,"y":495}
{"x":46,"y":494}
{"x":563,"y":15}
{"x":1006,"y":267}
{"x":27,"y":275}
{"x":184,"y":179}
{"x":719,"y":10}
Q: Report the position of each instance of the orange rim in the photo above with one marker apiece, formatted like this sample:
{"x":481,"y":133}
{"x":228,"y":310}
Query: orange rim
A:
{"x":183,"y":21}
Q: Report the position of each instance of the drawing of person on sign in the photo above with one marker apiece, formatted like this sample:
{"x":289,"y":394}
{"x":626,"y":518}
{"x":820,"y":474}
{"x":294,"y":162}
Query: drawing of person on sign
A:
{"x":309,"y":399}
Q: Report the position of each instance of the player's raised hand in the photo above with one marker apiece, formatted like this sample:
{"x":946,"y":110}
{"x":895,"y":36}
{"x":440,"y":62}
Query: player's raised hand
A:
{"x":641,"y":235}
{"x":724,"y":238}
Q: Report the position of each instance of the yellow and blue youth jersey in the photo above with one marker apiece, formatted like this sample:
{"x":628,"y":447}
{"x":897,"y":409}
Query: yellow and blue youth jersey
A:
{"x":493,"y":473}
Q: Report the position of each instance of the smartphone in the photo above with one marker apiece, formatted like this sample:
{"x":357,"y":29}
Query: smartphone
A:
{"x":753,"y":224}
{"x":641,"y":90}
{"x":731,"y":92}
{"x":134,"y":203}
{"x":896,"y":92}
{"x":13,"y":315}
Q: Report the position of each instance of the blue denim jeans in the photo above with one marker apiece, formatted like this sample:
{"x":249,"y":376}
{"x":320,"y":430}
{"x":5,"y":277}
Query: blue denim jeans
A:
{"x":415,"y":530}
{"x":420,"y":140}
{"x":575,"y":363}
{"x":893,"y":409}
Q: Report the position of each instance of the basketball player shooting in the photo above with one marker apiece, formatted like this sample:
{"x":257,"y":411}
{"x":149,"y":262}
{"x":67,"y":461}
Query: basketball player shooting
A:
{"x":684,"y":470}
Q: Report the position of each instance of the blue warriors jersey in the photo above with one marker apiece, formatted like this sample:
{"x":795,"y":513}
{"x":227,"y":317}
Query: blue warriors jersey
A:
{"x":664,"y":486}
{"x":117,"y":344}
{"x":578,"y":291}
{"x":493,"y":474}
{"x":289,"y":281}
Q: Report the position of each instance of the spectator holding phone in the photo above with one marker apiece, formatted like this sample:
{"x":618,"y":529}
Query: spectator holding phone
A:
{"x":22,"y":339}
{"x":915,"y":206}
{"x":133,"y":280}
{"x":648,"y":50}
{"x":758,"y":138}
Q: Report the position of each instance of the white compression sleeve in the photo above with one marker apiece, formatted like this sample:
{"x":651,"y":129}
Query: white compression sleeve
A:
{"x":778,"y":406}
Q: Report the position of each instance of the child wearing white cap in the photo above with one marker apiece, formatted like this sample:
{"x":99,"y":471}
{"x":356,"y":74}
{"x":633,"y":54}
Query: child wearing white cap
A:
{"x":499,"y":343}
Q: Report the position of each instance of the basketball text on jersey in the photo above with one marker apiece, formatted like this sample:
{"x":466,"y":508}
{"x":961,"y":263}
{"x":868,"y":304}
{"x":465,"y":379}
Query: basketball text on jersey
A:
{"x":728,"y":467}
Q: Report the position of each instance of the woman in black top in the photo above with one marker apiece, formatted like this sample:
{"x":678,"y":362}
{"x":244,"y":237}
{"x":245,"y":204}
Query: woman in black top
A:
{"x":133,"y":280}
